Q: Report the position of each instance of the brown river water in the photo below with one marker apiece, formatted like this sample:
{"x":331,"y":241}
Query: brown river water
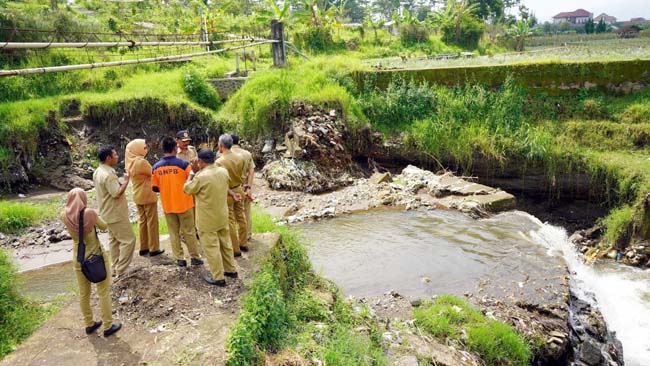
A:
{"x":371,"y":253}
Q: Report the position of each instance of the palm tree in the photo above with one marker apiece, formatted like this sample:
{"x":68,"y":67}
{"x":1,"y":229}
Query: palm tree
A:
{"x":520,"y":31}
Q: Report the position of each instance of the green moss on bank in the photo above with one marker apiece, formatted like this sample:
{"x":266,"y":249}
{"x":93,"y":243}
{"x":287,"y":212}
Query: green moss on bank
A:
{"x":450,"y":318}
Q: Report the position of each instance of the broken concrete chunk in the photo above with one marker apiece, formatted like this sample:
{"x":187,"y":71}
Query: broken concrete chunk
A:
{"x":377,"y":178}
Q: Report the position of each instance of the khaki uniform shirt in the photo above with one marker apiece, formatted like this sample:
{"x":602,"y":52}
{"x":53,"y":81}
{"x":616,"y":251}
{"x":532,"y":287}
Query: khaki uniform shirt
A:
{"x":112,"y":208}
{"x":248,"y":162}
{"x":234,"y":164}
{"x":188,"y":155}
{"x":141,"y":183}
{"x":210,"y":190}
{"x":90,"y":241}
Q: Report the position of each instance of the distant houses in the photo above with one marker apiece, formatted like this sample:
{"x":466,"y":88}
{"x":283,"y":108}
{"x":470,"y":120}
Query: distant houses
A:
{"x":580,"y":16}
{"x":608,"y":19}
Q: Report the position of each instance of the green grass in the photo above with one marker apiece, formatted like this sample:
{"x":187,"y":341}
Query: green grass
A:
{"x":162,"y":227}
{"x":262,"y":106}
{"x":19,"y":317}
{"x":496,"y":343}
{"x":16,"y":216}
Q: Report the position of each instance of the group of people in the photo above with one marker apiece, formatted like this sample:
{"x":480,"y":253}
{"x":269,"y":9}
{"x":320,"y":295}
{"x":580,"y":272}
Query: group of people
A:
{"x":206,"y":201}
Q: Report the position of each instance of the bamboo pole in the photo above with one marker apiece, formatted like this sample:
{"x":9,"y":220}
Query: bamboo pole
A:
{"x":43,"y":70}
{"x":41,"y":45}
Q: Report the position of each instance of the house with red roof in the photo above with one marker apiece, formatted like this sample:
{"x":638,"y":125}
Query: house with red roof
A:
{"x":580,"y":16}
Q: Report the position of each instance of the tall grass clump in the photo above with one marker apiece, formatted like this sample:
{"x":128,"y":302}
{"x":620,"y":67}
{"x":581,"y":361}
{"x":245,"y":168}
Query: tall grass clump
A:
{"x":262,"y":107}
{"x":15,"y":216}
{"x":474,"y":121}
{"x":198,"y":89}
{"x":18,"y":316}
{"x":403,"y":102}
{"x":265,"y":316}
{"x":450,"y":318}
{"x":617,"y":225}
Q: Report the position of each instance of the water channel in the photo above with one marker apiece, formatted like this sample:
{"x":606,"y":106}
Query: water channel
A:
{"x":422,"y":253}
{"x":371,"y":253}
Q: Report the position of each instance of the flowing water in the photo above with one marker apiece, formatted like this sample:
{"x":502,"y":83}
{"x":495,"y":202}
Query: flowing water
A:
{"x":368,"y":254}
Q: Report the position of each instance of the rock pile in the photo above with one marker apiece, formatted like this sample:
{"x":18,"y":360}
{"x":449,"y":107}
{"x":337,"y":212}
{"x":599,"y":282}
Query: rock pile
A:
{"x":42,"y":235}
{"x":313,"y":156}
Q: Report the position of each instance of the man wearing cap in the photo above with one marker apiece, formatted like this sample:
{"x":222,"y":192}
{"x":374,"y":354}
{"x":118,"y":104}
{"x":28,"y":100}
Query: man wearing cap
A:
{"x":234,"y":164}
{"x":247,"y":179}
{"x":208,"y":184}
{"x":185,"y":151}
{"x":168,"y":177}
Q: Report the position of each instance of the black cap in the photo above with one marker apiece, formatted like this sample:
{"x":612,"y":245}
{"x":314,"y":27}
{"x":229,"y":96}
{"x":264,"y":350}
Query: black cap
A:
{"x":183,"y":135}
{"x":206,"y":155}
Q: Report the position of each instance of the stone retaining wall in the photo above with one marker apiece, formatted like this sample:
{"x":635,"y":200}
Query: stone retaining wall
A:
{"x":227,"y":86}
{"x":619,"y":76}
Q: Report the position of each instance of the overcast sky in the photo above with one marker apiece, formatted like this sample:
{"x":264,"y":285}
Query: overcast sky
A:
{"x":621,"y":9}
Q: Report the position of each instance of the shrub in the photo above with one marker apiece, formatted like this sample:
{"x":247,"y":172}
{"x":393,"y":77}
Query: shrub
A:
{"x":198,"y":90}
{"x":593,"y":108}
{"x":636,"y":113}
{"x":471,"y":31}
{"x":410,"y":34}
{"x":317,"y":40}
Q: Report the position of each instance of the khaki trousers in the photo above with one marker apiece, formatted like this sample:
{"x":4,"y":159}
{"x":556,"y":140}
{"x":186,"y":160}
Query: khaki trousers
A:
{"x":148,"y":224}
{"x":237,"y":221}
{"x":218,"y":251}
{"x":249,"y":222}
{"x":182,"y":223}
{"x":103,"y":292}
{"x":121,"y":241}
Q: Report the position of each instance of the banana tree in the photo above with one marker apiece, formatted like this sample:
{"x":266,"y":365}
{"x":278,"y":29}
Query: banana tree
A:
{"x":315,"y":12}
{"x":520,"y":31}
{"x":461,"y":7}
{"x":274,"y":11}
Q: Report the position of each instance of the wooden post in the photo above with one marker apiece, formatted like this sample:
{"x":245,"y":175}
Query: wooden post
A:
{"x":277,"y":48}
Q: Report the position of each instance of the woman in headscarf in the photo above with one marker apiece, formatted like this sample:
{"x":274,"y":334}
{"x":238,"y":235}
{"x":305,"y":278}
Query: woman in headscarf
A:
{"x":77,"y":201}
{"x":143,"y":196}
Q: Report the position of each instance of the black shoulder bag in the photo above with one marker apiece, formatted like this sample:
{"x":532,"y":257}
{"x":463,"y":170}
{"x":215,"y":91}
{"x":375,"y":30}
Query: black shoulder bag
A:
{"x":93,"y":268}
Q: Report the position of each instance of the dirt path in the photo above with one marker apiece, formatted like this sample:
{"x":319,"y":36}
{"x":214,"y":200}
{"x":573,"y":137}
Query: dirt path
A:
{"x":193,"y":333}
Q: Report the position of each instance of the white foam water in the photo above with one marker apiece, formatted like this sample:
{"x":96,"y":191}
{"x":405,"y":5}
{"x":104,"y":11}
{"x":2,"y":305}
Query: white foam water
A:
{"x":622,"y":292}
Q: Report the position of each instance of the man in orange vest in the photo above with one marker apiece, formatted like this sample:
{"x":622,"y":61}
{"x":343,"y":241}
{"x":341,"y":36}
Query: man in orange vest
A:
{"x":168,"y":177}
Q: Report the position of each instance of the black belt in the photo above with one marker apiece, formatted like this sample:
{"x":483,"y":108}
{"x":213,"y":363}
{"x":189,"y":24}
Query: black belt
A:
{"x":237,"y":186}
